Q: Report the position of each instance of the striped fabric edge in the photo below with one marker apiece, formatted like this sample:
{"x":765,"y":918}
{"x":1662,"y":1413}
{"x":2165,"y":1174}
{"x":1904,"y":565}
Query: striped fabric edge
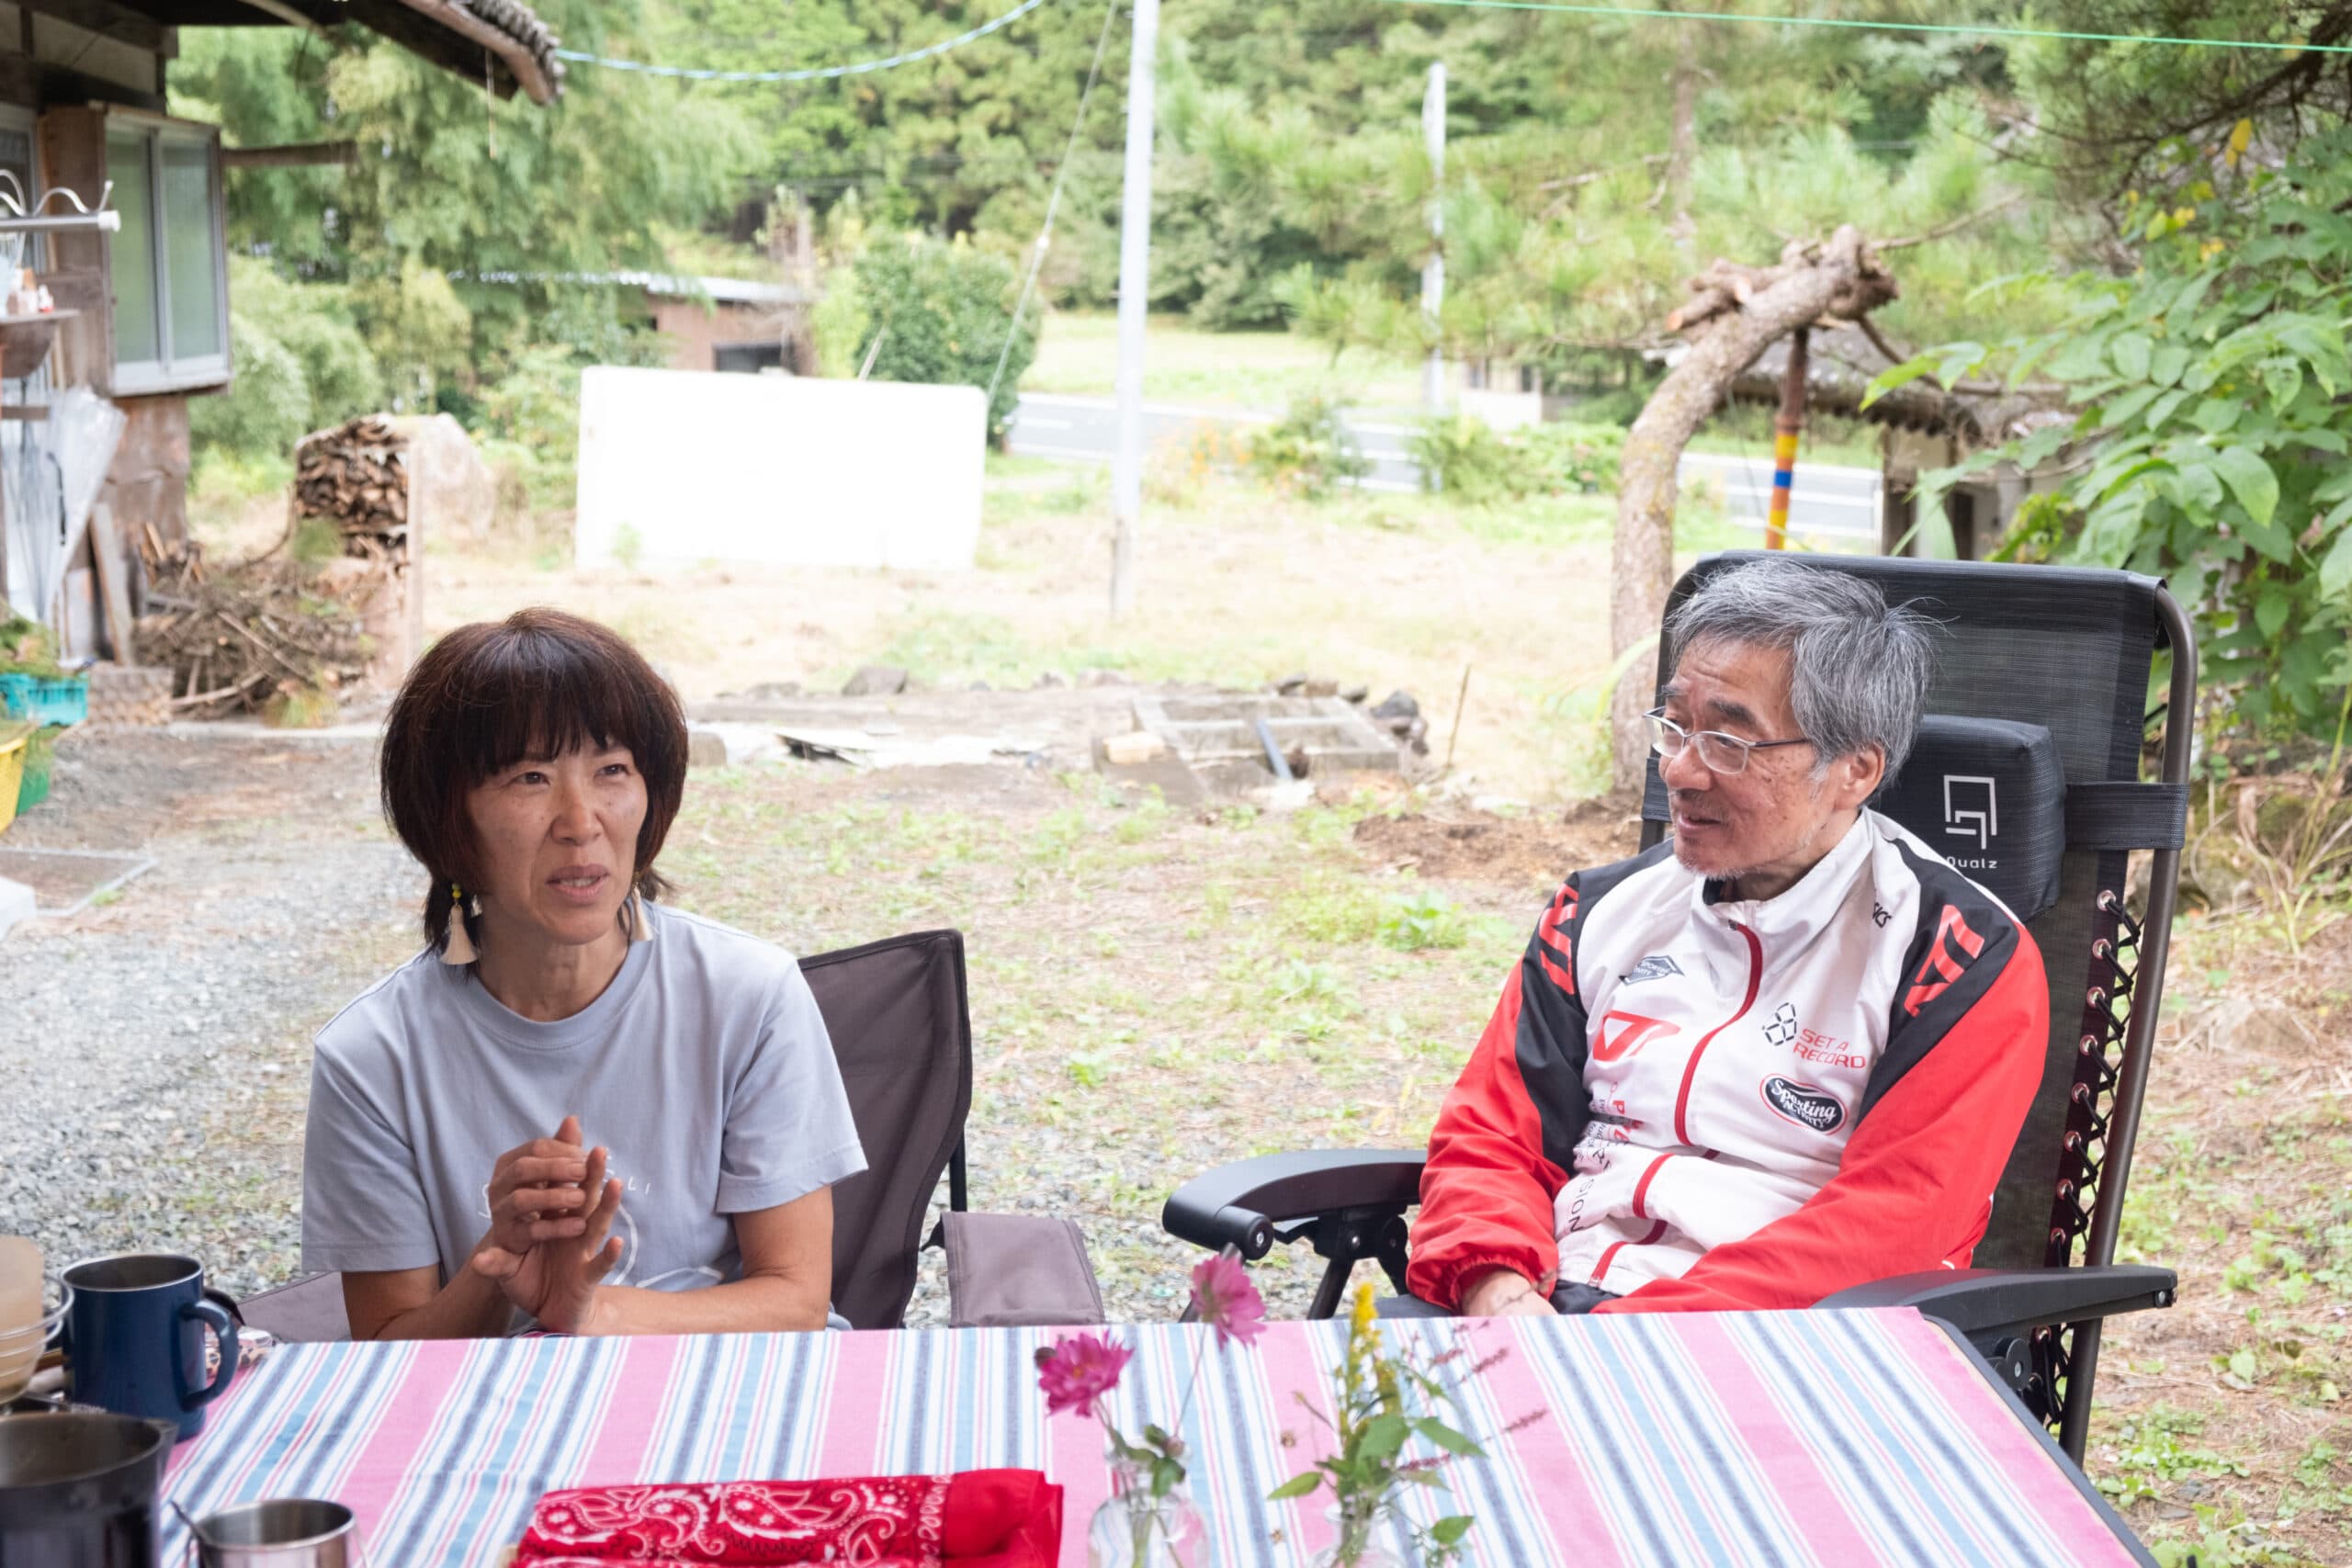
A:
{"x":1771,"y":1439}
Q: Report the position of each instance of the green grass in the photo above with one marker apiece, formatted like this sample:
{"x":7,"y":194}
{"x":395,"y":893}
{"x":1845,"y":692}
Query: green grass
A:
{"x":1079,"y":355}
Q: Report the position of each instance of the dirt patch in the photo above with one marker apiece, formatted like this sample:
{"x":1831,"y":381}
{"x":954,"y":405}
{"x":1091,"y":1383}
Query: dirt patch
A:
{"x":1478,"y":846}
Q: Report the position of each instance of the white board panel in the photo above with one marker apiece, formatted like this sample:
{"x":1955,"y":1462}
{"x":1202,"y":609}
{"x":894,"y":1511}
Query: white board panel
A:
{"x":678,"y":467}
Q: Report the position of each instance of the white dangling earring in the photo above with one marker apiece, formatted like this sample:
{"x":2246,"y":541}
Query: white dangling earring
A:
{"x":640,"y":928}
{"x":459,"y":947}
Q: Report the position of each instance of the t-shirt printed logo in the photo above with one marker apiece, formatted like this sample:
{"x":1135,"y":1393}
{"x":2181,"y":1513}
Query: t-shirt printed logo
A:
{"x":1808,"y":1107}
{"x":1657,"y":967}
{"x":1633,"y":1032}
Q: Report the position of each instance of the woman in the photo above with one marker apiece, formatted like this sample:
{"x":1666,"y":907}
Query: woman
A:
{"x":574,"y":1107}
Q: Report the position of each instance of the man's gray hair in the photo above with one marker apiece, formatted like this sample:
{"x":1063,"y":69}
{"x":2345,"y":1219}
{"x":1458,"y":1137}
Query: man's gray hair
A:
{"x":1858,"y":668}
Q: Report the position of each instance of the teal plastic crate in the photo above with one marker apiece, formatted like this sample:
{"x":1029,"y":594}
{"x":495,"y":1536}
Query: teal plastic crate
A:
{"x":46,"y":702}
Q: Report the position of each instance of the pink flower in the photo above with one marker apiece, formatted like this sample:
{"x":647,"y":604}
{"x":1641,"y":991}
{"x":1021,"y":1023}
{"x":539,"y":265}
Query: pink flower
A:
{"x":1080,"y":1371}
{"x":1226,"y":1301}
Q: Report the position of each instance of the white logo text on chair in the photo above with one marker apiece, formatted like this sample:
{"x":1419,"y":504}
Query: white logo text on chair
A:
{"x":1970,"y":811}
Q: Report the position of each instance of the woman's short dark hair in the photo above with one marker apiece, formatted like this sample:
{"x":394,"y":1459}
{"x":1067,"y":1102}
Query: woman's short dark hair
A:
{"x":489,"y":695}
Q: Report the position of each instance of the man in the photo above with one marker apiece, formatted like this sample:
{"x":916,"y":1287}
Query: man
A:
{"x":1783,"y":1053}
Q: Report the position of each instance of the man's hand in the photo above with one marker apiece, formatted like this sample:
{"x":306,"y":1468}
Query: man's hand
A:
{"x":556,"y":1281}
{"x":536,"y":1191}
{"x":1503,"y":1292}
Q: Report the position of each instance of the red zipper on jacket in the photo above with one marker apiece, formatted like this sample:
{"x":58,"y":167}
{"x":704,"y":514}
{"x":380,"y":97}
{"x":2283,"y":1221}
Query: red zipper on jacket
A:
{"x":1691,"y":1069}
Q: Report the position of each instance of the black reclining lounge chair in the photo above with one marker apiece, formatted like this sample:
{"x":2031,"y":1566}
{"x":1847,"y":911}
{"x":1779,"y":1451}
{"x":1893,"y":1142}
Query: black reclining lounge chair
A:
{"x":2030,"y":764}
{"x":902,"y":1033}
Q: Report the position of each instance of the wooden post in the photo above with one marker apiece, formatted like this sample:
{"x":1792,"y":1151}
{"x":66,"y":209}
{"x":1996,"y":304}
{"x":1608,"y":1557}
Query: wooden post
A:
{"x":1786,"y":427}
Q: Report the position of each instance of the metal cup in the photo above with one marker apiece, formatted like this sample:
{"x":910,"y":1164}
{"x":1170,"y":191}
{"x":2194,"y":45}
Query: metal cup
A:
{"x":283,"y":1532}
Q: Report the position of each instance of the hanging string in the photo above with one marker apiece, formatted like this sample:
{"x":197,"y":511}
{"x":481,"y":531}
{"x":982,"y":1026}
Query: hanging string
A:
{"x":814,"y":74}
{"x":1961,"y":29}
{"x":1053,"y":199}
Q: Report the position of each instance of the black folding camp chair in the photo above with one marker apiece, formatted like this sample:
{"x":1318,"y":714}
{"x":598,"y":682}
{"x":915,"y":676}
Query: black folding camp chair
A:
{"x":902,"y":1033}
{"x":2028,"y":773}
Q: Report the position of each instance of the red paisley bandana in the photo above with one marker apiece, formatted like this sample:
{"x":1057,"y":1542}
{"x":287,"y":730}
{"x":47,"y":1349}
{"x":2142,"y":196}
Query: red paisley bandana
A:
{"x":989,"y":1519}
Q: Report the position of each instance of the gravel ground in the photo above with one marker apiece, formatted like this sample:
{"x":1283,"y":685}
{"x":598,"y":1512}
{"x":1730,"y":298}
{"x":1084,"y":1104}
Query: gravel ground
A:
{"x":156,"y":1047}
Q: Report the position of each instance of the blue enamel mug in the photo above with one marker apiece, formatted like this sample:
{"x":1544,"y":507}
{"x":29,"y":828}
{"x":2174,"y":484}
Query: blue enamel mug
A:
{"x":135,"y":1337}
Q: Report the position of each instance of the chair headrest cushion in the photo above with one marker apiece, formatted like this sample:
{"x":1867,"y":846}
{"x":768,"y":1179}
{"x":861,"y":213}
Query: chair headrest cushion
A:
{"x":1990,"y":797}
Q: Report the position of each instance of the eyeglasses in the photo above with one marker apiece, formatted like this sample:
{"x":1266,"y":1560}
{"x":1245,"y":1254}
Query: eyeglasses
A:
{"x":1722,"y":753}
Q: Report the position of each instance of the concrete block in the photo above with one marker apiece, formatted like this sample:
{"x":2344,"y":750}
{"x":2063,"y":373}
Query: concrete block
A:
{"x":1135,"y":746}
{"x":16,"y":904}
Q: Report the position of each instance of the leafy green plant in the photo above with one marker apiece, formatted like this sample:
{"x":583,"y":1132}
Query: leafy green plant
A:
{"x":2148,"y":1452}
{"x":1422,"y":921}
{"x":27,"y":647}
{"x":1310,"y":449}
{"x":1383,"y":1402}
{"x":2210,"y":398}
{"x":941,"y":313}
{"x":1462,"y":456}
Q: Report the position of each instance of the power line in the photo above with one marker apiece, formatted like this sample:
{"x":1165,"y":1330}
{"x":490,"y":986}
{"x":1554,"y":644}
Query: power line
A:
{"x":1949,"y":27}
{"x":813,"y":73}
{"x":1045,"y":233}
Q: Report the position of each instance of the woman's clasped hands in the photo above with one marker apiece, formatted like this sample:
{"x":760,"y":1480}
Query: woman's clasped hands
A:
{"x":550,"y":1244}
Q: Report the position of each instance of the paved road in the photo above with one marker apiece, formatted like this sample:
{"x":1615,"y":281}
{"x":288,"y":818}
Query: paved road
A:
{"x":1829,"y":503}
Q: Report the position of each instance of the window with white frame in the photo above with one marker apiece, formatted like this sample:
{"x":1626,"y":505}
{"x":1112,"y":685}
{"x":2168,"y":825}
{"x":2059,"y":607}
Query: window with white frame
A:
{"x":168,"y":262}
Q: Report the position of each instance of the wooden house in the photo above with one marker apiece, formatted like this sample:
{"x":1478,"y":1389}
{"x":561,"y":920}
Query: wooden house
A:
{"x":83,"y":104}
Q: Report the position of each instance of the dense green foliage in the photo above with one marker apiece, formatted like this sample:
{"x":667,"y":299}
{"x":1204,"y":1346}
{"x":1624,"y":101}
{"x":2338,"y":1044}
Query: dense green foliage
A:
{"x":941,"y":313}
{"x":2206,"y":370}
{"x":1310,"y":451}
{"x":1461,"y":455}
{"x":301,"y":364}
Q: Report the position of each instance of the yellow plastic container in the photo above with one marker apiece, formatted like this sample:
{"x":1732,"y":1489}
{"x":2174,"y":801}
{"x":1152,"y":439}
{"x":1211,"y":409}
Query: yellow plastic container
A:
{"x":13,"y":740}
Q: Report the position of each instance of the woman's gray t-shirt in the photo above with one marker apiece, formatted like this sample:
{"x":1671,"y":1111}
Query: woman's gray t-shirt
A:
{"x":705,"y":1068}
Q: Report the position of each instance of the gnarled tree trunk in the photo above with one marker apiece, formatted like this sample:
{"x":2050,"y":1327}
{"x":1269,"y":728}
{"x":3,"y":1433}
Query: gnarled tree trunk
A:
{"x":1735,"y":314}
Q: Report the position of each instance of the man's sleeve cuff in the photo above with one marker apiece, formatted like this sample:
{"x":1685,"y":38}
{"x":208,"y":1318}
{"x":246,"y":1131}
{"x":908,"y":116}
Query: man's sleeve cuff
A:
{"x":1442,"y":1285}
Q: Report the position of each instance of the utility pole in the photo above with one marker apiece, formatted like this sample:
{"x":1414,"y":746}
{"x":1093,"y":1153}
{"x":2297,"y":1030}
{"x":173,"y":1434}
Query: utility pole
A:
{"x":1433,"y":271}
{"x":1135,"y":290}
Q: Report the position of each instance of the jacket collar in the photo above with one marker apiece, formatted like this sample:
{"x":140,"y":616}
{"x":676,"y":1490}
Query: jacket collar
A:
{"x":1803,"y":909}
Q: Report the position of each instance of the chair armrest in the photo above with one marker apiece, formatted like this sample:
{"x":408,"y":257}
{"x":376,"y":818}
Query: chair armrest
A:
{"x":309,"y":1310}
{"x":1017,"y":1271}
{"x":1238,"y":1205}
{"x":2000,"y":1303}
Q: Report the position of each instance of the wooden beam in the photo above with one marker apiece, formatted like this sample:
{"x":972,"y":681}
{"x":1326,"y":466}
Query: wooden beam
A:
{"x":293,"y":155}
{"x":103,"y":17}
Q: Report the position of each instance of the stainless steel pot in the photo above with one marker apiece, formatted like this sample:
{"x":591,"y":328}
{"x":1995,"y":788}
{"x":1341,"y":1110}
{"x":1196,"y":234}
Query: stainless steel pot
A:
{"x":79,"y":1489}
{"x":283,"y":1532}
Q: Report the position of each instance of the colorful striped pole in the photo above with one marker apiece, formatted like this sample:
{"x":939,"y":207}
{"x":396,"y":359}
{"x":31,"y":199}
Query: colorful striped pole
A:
{"x":1785,"y":429}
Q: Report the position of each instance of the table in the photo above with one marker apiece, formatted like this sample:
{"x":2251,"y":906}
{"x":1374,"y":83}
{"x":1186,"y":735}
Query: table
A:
{"x":1827,"y":1437}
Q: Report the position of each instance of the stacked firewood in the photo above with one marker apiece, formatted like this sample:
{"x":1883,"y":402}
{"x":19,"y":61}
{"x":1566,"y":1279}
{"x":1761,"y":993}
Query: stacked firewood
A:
{"x":356,"y":476}
{"x":241,"y":637}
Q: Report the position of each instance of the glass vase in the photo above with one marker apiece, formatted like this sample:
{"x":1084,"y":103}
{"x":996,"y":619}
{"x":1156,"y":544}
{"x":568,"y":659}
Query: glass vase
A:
{"x":1135,"y":1530}
{"x":1357,"y":1523}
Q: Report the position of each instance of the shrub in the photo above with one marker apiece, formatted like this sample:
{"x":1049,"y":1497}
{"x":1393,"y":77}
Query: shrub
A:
{"x":301,"y":365}
{"x":1463,"y":456}
{"x":1309,"y":450}
{"x":1578,"y":458}
{"x":942,"y":311}
{"x":530,"y":423}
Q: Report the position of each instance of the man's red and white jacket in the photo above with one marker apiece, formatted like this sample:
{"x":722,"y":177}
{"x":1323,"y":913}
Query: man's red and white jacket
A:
{"x":1708,"y":1105}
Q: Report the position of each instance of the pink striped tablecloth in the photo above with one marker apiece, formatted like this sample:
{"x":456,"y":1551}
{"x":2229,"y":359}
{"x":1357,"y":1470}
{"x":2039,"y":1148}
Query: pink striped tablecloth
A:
{"x":1828,"y":1438}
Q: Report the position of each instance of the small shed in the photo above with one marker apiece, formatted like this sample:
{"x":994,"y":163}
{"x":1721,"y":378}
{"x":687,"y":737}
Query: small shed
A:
{"x":1922,"y":426}
{"x":726,"y":323}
